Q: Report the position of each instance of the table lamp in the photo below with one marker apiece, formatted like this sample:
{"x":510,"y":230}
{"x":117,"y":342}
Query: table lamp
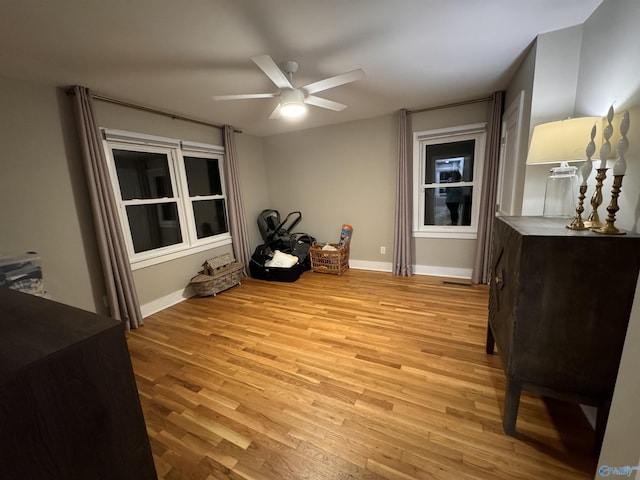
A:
{"x":559,"y":143}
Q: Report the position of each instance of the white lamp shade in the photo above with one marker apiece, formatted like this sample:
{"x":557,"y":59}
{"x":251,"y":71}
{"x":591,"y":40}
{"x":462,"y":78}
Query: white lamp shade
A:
{"x":564,"y":140}
{"x":292,"y":103}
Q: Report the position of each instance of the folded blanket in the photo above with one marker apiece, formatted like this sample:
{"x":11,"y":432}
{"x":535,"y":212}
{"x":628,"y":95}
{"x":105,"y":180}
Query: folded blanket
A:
{"x":282,"y":260}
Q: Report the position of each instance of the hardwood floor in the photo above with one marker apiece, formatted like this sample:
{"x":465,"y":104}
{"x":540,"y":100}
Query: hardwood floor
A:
{"x":362,"y":376}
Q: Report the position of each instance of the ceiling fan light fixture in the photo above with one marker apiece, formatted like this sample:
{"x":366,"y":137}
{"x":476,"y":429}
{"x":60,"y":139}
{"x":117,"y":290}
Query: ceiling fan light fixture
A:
{"x":292,"y":103}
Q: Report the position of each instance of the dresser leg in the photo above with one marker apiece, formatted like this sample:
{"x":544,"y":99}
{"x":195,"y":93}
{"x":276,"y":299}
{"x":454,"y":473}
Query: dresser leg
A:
{"x":511,"y":404}
{"x":490,"y":340}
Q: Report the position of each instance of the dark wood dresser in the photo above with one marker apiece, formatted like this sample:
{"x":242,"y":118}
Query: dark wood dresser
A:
{"x":69,"y":406}
{"x":559,"y":305}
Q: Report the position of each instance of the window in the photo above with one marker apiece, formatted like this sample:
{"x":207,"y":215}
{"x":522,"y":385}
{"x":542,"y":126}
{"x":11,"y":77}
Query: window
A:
{"x":206,"y":196}
{"x":447,"y":181}
{"x":170,"y":194}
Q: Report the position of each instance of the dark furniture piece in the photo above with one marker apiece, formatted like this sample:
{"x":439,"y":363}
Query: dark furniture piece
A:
{"x":559,"y":305}
{"x":69,"y":406}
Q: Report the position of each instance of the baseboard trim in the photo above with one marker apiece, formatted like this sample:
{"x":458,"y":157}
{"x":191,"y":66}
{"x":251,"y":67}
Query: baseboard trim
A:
{"x":167,"y":301}
{"x":176,"y":297}
{"x":433,"y":271}
{"x":366,"y":265}
{"x":450,"y":272}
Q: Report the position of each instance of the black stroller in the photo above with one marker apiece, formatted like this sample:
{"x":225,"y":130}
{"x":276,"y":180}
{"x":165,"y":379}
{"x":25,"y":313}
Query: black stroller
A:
{"x":277,"y":235}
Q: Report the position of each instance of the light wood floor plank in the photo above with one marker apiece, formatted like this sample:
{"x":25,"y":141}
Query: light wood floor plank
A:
{"x":361,"y":376}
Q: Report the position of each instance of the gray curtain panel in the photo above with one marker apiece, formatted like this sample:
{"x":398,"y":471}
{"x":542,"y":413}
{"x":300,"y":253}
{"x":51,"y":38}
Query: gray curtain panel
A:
{"x":237,"y":220}
{"x":402,"y":256}
{"x":121,"y":292}
{"x":482,"y":261}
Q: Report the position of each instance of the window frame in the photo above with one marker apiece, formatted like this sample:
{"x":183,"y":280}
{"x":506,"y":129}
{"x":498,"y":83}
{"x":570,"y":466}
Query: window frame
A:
{"x":476,"y":132}
{"x":189,"y":199}
{"x":175,"y":150}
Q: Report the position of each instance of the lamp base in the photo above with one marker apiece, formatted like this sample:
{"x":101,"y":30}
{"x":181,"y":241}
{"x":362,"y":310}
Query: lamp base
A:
{"x":560,"y":192}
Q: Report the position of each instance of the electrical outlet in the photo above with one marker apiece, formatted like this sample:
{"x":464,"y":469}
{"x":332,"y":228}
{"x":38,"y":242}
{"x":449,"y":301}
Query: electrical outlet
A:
{"x":383,"y":250}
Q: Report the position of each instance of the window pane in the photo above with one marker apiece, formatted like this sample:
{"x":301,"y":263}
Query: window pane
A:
{"x":154,"y":226}
{"x":210,"y":217}
{"x":448,"y":206}
{"x":203,"y":176}
{"x":449,"y":162}
{"x":430,"y":209}
{"x":142,"y":175}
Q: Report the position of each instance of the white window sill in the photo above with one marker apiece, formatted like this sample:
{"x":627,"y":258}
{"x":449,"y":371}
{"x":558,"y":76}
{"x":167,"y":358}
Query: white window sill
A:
{"x":183,"y":252}
{"x":452,"y":232}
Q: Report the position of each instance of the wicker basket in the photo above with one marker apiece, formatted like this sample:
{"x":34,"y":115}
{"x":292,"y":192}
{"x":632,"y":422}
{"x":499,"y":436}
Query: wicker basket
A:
{"x":329,"y":261}
{"x":203,"y":285}
{"x":219,"y":273}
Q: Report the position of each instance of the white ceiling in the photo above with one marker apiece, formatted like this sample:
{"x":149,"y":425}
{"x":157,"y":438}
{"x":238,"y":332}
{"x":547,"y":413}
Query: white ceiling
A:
{"x":174,"y":55}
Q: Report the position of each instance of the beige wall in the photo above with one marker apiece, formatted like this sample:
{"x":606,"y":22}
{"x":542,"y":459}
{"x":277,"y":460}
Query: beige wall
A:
{"x":522,"y":81}
{"x":252,"y":183}
{"x":45,"y":207}
{"x":556,"y":74}
{"x":164,"y":284}
{"x":338,"y":174}
{"x":621,"y":445}
{"x":557,"y":65}
{"x":609,"y":66}
{"x":346,"y":174}
{"x":110,"y":115}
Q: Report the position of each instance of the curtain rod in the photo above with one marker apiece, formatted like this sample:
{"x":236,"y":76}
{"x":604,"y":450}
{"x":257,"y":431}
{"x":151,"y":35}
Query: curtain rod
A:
{"x":174,"y":116}
{"x":450,"y":105}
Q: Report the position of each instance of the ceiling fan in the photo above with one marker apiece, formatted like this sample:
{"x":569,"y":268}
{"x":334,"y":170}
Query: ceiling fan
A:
{"x":293,"y":100}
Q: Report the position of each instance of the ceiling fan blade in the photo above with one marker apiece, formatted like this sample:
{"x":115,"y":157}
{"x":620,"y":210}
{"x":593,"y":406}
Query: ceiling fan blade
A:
{"x":336,"y":81}
{"x":324,"y":103}
{"x":244,"y":96}
{"x":275,"y":115}
{"x":271,"y":70}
